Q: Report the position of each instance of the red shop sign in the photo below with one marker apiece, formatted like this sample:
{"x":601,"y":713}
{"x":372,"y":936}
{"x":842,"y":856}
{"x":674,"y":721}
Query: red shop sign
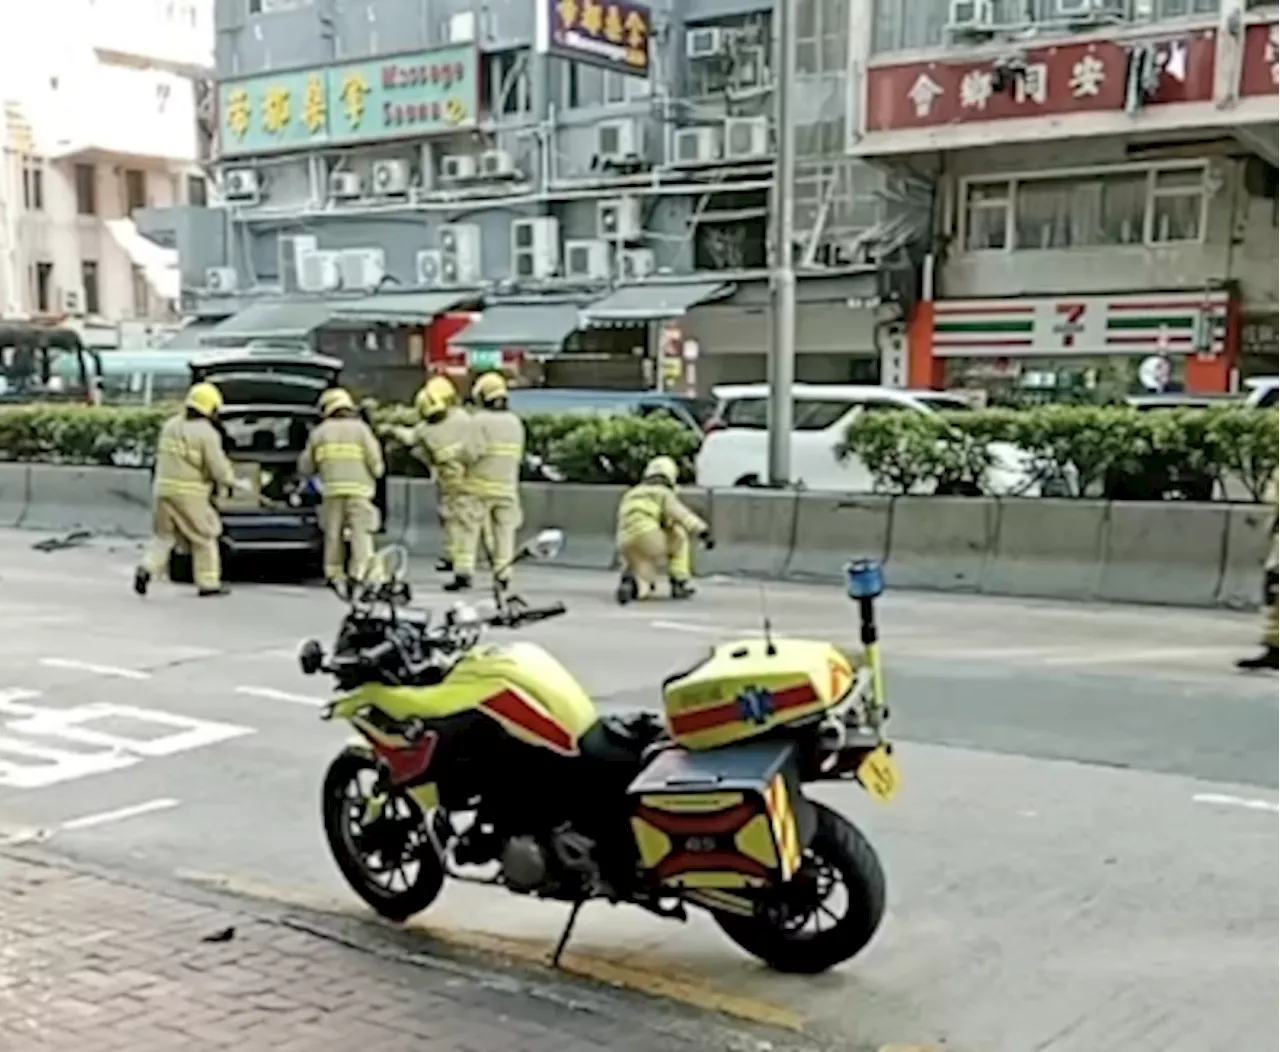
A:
{"x":1072,"y":78}
{"x":1261,"y":52}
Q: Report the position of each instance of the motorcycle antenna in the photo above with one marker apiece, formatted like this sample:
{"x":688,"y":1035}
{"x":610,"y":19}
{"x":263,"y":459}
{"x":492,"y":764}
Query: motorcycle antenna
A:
{"x":769,"y":648}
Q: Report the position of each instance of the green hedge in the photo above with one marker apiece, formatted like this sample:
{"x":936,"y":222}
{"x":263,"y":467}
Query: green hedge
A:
{"x":578,"y":447}
{"x":1109,"y":451}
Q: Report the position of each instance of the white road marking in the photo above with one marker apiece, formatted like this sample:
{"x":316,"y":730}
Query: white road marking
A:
{"x":28,"y":760}
{"x":1125,"y":657}
{"x":271,"y":694}
{"x":1237,"y":801}
{"x":692,"y":626}
{"x":100,"y":670}
{"x":103,"y":818}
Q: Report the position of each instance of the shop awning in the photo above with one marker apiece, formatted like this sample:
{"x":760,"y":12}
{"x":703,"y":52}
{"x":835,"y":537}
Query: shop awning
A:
{"x":277,"y":320}
{"x":533,"y":326}
{"x":159,"y":265}
{"x":400,"y":308}
{"x":643,"y":303}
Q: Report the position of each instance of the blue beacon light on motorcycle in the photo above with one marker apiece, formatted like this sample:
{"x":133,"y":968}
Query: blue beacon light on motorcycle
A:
{"x":864,"y":578}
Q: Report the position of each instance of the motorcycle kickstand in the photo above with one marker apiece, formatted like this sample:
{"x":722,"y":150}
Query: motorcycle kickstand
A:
{"x":568,"y":931}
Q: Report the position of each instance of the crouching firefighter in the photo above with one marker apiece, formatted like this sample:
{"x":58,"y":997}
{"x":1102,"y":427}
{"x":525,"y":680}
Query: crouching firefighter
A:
{"x":343,"y":451}
{"x":1269,"y":657}
{"x":654,"y":526}
{"x":190,"y":465}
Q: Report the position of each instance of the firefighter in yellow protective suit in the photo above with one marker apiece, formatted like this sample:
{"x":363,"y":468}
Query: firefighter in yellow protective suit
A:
{"x":492,"y":483}
{"x":1269,"y":658}
{"x":190,"y":464}
{"x":343,"y":451}
{"x":443,"y":441}
{"x":654,"y":526}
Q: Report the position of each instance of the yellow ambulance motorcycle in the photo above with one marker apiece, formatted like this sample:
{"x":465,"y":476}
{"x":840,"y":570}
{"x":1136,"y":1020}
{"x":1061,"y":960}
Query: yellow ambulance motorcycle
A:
{"x":493,"y":759}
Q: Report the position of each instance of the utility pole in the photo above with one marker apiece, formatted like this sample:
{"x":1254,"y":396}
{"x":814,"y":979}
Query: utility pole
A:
{"x":782,"y":348}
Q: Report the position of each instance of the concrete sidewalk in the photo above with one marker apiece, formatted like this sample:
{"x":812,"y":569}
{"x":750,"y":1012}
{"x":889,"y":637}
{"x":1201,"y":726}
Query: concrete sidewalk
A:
{"x":98,"y":963}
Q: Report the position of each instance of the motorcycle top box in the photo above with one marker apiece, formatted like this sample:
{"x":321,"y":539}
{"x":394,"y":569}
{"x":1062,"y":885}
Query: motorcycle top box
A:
{"x":728,"y":819}
{"x":747,"y":688}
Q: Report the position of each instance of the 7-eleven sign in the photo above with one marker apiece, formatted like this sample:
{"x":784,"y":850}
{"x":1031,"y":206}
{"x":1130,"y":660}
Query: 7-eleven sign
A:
{"x":1069,"y":321}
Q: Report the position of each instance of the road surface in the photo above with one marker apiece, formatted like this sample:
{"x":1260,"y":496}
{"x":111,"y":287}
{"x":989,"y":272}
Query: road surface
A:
{"x":1083,"y":857}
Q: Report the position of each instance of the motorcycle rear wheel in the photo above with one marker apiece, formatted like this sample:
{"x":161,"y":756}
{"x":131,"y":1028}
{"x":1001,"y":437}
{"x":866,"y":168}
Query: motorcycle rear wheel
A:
{"x":779,"y":934}
{"x":395,"y":904}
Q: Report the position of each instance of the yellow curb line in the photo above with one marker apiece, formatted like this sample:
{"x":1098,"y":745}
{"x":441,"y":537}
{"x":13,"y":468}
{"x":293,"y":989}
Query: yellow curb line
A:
{"x":651,"y":977}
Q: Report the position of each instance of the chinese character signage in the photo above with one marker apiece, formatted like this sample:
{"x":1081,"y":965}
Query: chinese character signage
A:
{"x":1072,"y":78}
{"x":614,"y":36}
{"x":401,"y":96}
{"x":1158,"y":323}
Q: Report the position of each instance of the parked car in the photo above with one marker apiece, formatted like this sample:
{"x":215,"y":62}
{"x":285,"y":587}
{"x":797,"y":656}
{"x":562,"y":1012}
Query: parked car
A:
{"x":692,"y":411}
{"x":735,"y":450}
{"x":1263,"y":392}
{"x":269,"y":409}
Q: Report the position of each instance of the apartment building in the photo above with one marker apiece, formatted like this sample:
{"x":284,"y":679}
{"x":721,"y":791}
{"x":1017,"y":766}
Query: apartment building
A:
{"x":1104,"y":178}
{"x":580,"y":186}
{"x":99,"y":121}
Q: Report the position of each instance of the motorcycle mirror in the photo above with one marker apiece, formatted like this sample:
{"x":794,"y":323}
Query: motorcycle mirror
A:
{"x":546,"y":545}
{"x":310,"y":657}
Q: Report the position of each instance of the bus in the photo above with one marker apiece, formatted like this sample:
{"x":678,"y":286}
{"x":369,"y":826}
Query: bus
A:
{"x":45,"y":363}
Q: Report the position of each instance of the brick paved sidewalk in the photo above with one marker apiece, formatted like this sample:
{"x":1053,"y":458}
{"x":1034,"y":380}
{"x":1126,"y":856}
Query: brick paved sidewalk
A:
{"x":95,"y":963}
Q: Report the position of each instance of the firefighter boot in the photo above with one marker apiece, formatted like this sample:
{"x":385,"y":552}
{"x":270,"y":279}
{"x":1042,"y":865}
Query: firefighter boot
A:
{"x":460,"y":583}
{"x":682,"y":589}
{"x":627,"y":589}
{"x":1269,"y":658}
{"x":141,"y":579}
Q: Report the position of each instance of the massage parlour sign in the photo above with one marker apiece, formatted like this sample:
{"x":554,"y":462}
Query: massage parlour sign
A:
{"x":1155,"y":323}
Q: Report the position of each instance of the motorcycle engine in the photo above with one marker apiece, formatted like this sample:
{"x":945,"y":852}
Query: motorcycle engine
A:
{"x":524,"y":864}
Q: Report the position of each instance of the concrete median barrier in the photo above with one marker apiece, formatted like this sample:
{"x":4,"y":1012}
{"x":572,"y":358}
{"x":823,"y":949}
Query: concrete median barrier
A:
{"x":1048,"y":548}
{"x":754,"y":532}
{"x":102,"y":499}
{"x":14,"y":484}
{"x":587,"y":514}
{"x":941,"y":543}
{"x":831,"y":530}
{"x":1144,"y":561}
{"x":1248,"y":542}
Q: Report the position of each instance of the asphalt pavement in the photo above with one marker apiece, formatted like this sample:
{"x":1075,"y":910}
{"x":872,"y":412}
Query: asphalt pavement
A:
{"x":1083,"y":856}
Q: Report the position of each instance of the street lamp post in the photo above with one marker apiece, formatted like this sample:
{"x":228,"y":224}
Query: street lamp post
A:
{"x":782,"y":348}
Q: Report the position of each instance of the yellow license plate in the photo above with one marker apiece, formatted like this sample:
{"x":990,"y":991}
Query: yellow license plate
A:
{"x":878,"y":773}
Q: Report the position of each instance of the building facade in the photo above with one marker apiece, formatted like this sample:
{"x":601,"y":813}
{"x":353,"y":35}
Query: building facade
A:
{"x":1105,"y":187}
{"x":99,"y":122}
{"x":581,"y":185}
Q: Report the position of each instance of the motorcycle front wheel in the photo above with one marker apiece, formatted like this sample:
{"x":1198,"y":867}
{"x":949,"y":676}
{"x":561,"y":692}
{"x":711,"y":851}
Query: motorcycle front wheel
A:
{"x":389,"y":859}
{"x":802,"y":929}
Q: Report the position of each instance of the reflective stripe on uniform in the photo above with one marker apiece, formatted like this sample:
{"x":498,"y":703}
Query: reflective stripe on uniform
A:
{"x":483,"y":487}
{"x":325,"y":451}
{"x":504,"y":449}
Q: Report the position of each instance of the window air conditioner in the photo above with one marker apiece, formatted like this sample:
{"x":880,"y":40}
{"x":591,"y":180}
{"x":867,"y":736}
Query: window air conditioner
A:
{"x":318,"y":272}
{"x":746,"y":137}
{"x":636,"y":264}
{"x":618,"y":219}
{"x":460,"y":251}
{"x":428,"y":267}
{"x":220,"y":279}
{"x":535,"y":248}
{"x":586,"y":259}
{"x":971,"y":14}
{"x":362,"y":268}
{"x":497,"y":164}
{"x":390,"y":178}
{"x":241,"y":185}
{"x":695,"y":145}
{"x":343,"y":186}
{"x":456,"y":167}
{"x":616,"y":140}
{"x":71,"y":301}
{"x":703,"y":42}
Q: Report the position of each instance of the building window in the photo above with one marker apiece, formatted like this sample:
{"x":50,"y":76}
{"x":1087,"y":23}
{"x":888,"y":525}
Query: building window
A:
{"x":89,"y":282}
{"x":86,"y":176}
{"x":44,"y":287}
{"x":504,"y":87}
{"x":135,"y":190}
{"x":141,"y":294}
{"x":1137,"y":206}
{"x":33,"y":185}
{"x":197,"y":191}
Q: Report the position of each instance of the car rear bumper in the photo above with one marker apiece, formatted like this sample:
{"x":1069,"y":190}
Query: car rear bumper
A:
{"x":264,"y":532}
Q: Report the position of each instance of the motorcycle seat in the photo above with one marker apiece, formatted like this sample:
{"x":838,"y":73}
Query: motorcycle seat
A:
{"x":618,"y":739}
